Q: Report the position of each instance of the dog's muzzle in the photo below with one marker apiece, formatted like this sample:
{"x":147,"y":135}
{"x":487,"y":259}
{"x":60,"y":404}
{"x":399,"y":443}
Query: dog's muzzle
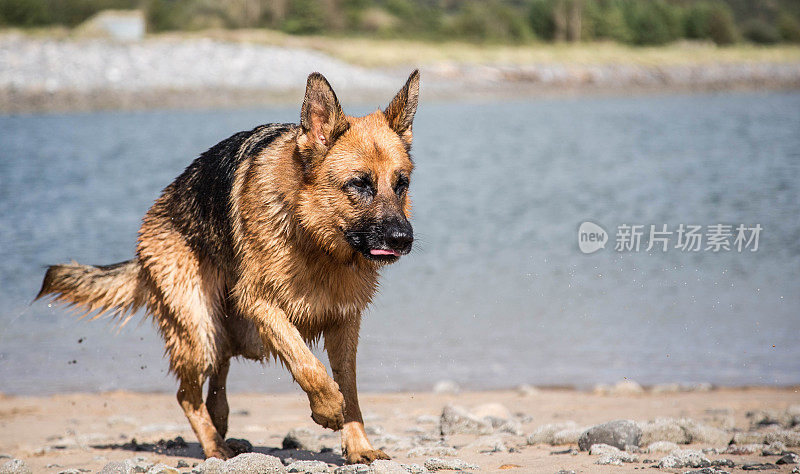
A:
{"x":383,"y":241}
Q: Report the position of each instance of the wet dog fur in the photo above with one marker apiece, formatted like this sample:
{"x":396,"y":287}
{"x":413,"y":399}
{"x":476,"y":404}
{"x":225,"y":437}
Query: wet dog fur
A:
{"x":269,"y":241}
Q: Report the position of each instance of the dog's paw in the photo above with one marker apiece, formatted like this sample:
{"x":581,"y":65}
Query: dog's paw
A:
{"x":221,"y":451}
{"x":327,"y":408}
{"x":365,"y":456}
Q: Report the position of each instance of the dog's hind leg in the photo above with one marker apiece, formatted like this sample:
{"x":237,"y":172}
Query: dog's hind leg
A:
{"x":190,"y":397}
{"x":341,"y":341}
{"x":217,"y":399}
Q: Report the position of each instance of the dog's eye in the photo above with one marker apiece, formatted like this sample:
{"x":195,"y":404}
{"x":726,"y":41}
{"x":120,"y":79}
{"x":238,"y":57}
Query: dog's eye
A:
{"x":362,"y":185}
{"x":401,"y":186}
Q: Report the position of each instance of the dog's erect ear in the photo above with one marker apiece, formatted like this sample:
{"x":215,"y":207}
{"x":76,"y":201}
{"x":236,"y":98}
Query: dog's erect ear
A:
{"x":400,"y":112}
{"x":321,"y":117}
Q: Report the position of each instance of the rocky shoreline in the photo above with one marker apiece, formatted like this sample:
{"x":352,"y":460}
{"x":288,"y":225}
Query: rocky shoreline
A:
{"x":613,"y":429}
{"x":68,"y":74}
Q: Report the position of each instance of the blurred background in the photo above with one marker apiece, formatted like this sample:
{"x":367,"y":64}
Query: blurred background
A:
{"x":535,"y":116}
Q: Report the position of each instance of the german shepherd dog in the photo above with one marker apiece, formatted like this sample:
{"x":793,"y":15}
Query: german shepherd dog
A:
{"x":267,"y":242}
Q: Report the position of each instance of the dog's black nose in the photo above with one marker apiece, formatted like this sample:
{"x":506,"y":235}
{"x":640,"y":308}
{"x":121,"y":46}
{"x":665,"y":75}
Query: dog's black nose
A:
{"x":399,"y":236}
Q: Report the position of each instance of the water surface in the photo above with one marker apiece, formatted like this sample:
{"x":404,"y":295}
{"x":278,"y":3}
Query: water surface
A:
{"x":496,"y":292}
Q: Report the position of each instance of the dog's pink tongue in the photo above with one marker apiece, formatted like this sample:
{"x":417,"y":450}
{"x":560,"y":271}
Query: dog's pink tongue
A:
{"x":384,"y":252}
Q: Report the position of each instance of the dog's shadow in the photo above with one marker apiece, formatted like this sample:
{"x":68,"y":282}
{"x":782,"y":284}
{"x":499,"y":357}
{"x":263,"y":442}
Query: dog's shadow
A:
{"x":178,"y":447}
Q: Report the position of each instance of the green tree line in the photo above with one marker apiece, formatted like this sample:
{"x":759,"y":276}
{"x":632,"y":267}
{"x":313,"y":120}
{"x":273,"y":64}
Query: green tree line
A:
{"x":638,"y":22}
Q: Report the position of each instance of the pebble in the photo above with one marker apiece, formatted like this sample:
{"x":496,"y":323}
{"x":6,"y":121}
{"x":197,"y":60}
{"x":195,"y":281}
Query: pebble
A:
{"x":618,"y":433}
{"x":354,"y":469}
{"x":308,"y":467}
{"x":788,"y":458}
{"x":611,"y":455}
{"x":457,"y":420}
{"x":161,"y":468}
{"x":545,"y":434}
{"x":487,"y":444}
{"x":446,"y":387}
{"x":423,"y":451}
{"x":438,"y":464}
{"x":241,"y":464}
{"x":764,"y":466}
{"x":127,"y":466}
{"x":684,"y":458}
{"x":383,"y":466}
{"x":14,"y":466}
{"x":415,"y":468}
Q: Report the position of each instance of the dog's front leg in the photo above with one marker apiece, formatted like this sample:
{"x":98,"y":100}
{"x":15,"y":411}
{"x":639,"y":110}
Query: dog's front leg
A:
{"x":281,"y":336}
{"x":341,"y":342}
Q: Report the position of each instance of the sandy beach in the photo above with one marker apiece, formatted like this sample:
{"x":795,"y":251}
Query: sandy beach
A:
{"x":528,"y":430}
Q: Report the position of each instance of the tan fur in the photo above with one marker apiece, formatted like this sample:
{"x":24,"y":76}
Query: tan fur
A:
{"x":290,"y":278}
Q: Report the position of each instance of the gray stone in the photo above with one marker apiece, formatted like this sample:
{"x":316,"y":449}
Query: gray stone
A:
{"x":354,"y":469}
{"x":456,"y":420}
{"x":487,"y":444}
{"x":415,"y":468}
{"x":14,"y":466}
{"x":617,"y":433}
{"x":762,"y":466}
{"x":383,"y":466}
{"x":162,"y":468}
{"x":242,"y":464}
{"x":700,"y":433}
{"x":684,"y":458}
{"x":127,"y":466}
{"x":568,"y":436}
{"x":664,"y":429}
{"x":545,"y":433}
{"x":611,"y":455}
{"x":423,"y":451}
{"x":308,"y":467}
{"x":788,"y":458}
{"x":774,"y":449}
{"x":438,"y":464}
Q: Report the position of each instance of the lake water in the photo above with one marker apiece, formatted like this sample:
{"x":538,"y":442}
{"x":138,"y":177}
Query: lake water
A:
{"x":497,"y":292}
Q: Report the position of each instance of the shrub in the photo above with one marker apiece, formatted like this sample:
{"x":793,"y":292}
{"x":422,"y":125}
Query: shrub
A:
{"x":760,"y":31}
{"x":789,"y":27}
{"x":24,"y":13}
{"x":606,"y":20}
{"x":490,"y":21}
{"x":653,"y":22}
{"x":540,"y":18}
{"x":304,"y":17}
{"x":711,"y":20}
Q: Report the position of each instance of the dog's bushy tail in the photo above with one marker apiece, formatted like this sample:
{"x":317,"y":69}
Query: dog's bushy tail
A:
{"x":99,"y":289}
